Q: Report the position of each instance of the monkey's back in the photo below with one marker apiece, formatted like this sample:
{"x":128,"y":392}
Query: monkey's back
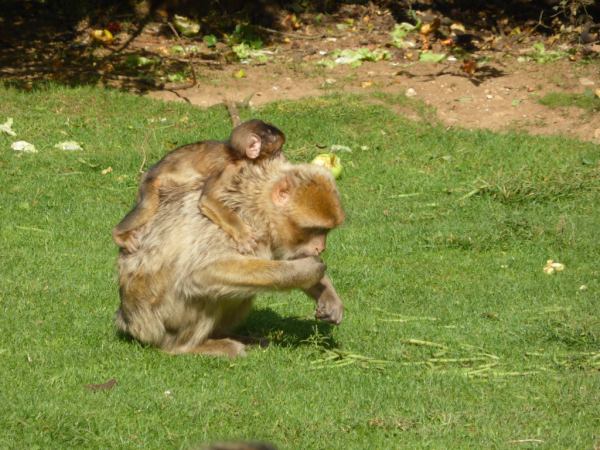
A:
{"x":189,"y":162}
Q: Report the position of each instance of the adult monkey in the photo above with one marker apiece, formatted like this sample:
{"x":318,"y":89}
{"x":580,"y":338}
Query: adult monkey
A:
{"x":187,"y":287}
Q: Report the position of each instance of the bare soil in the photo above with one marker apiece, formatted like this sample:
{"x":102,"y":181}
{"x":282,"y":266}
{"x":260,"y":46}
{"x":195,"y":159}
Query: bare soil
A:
{"x":508,"y":100}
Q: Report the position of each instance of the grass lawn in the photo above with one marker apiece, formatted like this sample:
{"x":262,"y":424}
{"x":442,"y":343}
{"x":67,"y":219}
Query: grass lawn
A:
{"x":447,"y":235}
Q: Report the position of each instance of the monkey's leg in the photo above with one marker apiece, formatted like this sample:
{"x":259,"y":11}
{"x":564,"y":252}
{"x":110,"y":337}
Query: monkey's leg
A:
{"x":215,"y":210}
{"x":329,"y":306}
{"x":125,"y":234}
{"x":215,"y":347}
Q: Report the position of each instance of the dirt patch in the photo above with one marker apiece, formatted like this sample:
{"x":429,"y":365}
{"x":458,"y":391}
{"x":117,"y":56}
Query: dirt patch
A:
{"x":501,"y":94}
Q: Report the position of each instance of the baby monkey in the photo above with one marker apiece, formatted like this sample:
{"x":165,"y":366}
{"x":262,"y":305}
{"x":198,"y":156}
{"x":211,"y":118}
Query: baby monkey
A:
{"x":253,"y":141}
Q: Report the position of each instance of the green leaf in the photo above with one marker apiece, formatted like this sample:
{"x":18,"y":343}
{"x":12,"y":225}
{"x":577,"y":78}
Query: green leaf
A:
{"x":516,"y":102}
{"x":466,"y":99}
{"x":432,"y":57}
{"x":175,"y":77}
{"x":210,"y":40}
{"x":539,"y":47}
{"x":402,"y":30}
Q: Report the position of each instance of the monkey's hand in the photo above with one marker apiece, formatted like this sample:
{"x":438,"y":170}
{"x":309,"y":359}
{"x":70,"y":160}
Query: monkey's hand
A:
{"x":308,"y":271}
{"x":329,"y":306}
{"x":245,"y":239}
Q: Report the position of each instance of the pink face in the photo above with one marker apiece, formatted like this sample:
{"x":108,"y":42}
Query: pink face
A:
{"x":311,"y":242}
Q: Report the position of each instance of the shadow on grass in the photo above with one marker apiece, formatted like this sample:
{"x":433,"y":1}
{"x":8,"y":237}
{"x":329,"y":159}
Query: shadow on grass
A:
{"x":288,"y":332}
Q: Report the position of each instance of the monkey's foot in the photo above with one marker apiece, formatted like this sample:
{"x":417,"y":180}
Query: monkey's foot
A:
{"x":260,"y":342}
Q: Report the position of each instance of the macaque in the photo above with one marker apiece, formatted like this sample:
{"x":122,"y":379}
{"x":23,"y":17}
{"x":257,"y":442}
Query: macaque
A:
{"x":186,"y":288}
{"x":214,"y":161}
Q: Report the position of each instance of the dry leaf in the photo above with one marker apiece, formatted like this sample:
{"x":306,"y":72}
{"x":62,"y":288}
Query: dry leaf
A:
{"x":470,"y":67}
{"x":163,"y":51}
{"x":429,"y":28}
{"x":367,"y":83}
{"x":458,"y":27}
{"x":552,"y":267}
{"x":105,"y":387}
{"x":107,"y":170}
{"x":102,"y":36}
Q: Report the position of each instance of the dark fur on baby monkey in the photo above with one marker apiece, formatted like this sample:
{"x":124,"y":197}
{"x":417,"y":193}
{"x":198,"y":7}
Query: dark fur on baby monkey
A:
{"x":215,"y":162}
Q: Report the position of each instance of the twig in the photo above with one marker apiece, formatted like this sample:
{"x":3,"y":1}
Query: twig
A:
{"x":233,"y":113}
{"x":232,"y":109}
{"x":194,"y":82}
{"x":141,"y":171}
{"x":299,"y":36}
{"x":426,"y":343}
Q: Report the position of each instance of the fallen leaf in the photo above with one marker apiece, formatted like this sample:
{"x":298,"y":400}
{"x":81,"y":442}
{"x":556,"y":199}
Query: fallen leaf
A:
{"x":22,"y":146}
{"x":107,"y":170}
{"x":429,"y":28}
{"x":162,"y":51}
{"x":102,"y":36}
{"x":105,"y":386}
{"x":239,"y":74}
{"x":552,"y":267}
{"x":432,"y":57}
{"x":466,"y":99}
{"x":367,"y":83}
{"x":6,"y":127}
{"x":457,"y":26}
{"x":187,"y":27}
{"x":341,"y":148}
{"x":470,"y":67}
{"x":68,"y":145}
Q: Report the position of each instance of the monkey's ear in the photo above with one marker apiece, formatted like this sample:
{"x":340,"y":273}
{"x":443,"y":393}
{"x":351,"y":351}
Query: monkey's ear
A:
{"x":282,"y":192}
{"x":254,"y":142}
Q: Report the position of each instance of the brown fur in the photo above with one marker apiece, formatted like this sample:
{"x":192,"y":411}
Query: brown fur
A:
{"x":251,"y":142}
{"x":187,"y":287}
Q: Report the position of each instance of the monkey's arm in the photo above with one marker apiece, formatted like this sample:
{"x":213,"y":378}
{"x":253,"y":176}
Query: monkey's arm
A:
{"x":329,"y":306}
{"x":247,"y":274}
{"x":222,"y":216}
{"x":125,"y":233}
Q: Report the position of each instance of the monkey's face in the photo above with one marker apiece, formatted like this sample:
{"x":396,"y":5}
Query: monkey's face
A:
{"x":272,"y":140}
{"x":300,"y":243}
{"x":308,"y":209}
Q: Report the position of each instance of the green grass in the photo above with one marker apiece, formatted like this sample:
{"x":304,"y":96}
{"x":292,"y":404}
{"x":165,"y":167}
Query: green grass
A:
{"x":448,"y":225}
{"x":587,"y":101}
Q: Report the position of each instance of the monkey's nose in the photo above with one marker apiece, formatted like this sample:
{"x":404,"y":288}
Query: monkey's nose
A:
{"x":319,"y":250}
